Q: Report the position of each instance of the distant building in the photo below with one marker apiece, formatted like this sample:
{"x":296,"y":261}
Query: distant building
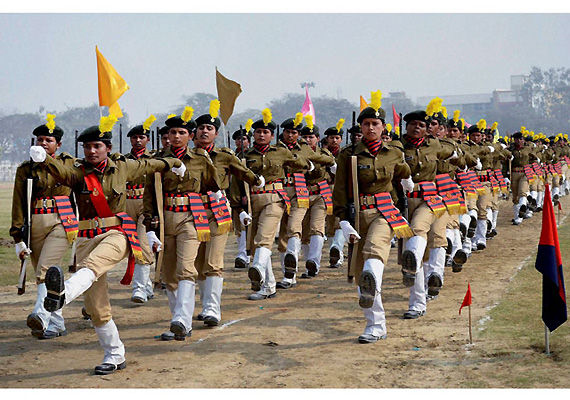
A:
{"x":476,"y":106}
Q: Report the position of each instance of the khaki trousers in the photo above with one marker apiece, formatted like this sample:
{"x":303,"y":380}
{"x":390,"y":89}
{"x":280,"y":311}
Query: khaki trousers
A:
{"x":314,"y":221}
{"x":267,"y":210}
{"x":519,"y":186}
{"x":48,"y":242}
{"x":437,"y":233}
{"x":420,"y":217}
{"x":180,"y":249}
{"x":135,"y":211}
{"x":210,"y":259}
{"x":375,"y":233}
{"x":484,"y":201}
{"x":100,"y":254}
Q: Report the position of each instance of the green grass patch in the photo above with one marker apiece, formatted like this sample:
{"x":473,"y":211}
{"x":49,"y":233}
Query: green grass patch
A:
{"x":516,"y":327}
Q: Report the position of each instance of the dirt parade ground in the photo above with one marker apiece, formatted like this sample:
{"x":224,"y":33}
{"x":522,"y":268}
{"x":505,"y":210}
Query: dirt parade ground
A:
{"x":306,"y":337}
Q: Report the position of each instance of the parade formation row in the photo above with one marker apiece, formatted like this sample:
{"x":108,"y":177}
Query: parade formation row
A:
{"x":433,"y":188}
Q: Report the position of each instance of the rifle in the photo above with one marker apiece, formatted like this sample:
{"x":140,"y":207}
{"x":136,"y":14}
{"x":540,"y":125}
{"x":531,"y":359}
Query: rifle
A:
{"x":121,"y":138}
{"x":159,"y":206}
{"x":72,"y":266}
{"x":152,"y":139}
{"x":351,"y":207}
{"x":403,"y":202}
{"x":27,"y":232}
{"x":76,"y":132}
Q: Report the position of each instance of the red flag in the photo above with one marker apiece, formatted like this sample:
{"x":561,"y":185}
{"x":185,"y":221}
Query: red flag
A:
{"x":395,"y":116}
{"x":549,"y":264}
{"x":466,"y":299}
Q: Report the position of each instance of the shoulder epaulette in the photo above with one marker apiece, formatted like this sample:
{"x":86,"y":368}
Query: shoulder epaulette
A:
{"x":227,"y":150}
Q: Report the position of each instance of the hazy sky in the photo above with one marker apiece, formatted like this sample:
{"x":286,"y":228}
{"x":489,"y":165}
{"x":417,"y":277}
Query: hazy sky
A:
{"x":49,"y":59}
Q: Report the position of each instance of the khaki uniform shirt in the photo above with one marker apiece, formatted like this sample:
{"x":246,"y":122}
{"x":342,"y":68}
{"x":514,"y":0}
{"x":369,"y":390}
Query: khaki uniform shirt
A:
{"x":375,"y":173}
{"x":522,"y":157}
{"x":45,"y":185}
{"x":423,"y":159}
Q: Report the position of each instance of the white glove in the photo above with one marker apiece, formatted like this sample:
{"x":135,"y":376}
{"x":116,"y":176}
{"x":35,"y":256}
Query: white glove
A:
{"x":38,"y":153}
{"x":218,"y":195}
{"x":21,"y":246}
{"x":538,"y":159}
{"x":152,"y":240}
{"x":332,"y":168}
{"x":504,"y":146}
{"x":261,"y":181}
{"x":244,"y":218}
{"x":180,"y":170}
{"x":491,"y":148}
{"x":261,"y":185}
{"x":348,"y":230}
{"x":407,"y":184}
{"x":507,"y":180}
{"x":512,"y":158}
{"x":311,"y":166}
{"x":453,"y":156}
{"x":478,"y":165}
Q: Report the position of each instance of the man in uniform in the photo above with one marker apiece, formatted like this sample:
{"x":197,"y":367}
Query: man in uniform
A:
{"x":53,"y":225}
{"x":141,"y":284}
{"x":185,"y":220}
{"x":377,"y":165}
{"x":424,"y":206}
{"x":296,"y":188}
{"x":210,"y":259}
{"x":320,"y":201}
{"x":242,"y":140}
{"x":268,"y":201}
{"x":333,"y":136}
{"x":105,"y":231}
{"x":521,"y":174}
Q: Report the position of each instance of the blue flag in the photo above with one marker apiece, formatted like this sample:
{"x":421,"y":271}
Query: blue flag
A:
{"x":549,"y":264}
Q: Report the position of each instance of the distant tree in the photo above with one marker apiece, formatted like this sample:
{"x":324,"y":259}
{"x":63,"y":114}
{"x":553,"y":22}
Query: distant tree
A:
{"x":547,"y":93}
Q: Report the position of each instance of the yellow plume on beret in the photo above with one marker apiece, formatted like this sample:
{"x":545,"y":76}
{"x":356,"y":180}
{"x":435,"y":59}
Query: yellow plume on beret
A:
{"x":266,"y":113}
{"x":248,"y":124}
{"x":309,"y":121}
{"x":339,"y":124}
{"x":148,"y":123}
{"x":214,"y":108}
{"x":494,"y":126}
{"x":434,"y":106}
{"x":106,"y":123}
{"x":187,"y":114}
{"x":444,"y":112}
{"x":389,"y":127}
{"x":170,"y":116}
{"x":376,"y":100}
{"x":50,"y":118}
{"x":397,"y":130}
{"x":298,"y":119}
{"x":482,"y":124}
{"x":456,"y":115}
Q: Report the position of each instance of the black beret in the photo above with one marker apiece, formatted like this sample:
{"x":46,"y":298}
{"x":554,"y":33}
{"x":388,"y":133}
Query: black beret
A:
{"x":369,"y":112}
{"x":43,"y":130}
{"x":241,"y":133}
{"x":138,"y":130}
{"x":308,"y":131}
{"x":418,"y":115}
{"x":453,"y":124}
{"x":529,"y":138}
{"x":333,"y":131}
{"x":208,"y":120}
{"x":178,"y":122}
{"x":517,"y":135}
{"x":93,"y":134}
{"x":439,"y":117}
{"x":260,"y":124}
{"x":355,"y":129}
{"x":163,"y":131}
{"x":289,"y":124}
{"x":473,"y":128}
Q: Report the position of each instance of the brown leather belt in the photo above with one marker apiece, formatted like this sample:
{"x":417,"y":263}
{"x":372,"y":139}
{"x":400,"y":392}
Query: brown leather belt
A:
{"x":99,"y":223}
{"x":183,"y":201}
{"x":269,"y":187}
{"x":135,"y":192}
{"x":367,"y":200}
{"x":44,"y":203}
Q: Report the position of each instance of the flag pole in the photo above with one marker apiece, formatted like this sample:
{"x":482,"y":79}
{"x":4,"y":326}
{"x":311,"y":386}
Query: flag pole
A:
{"x":547,"y":340}
{"x":470,"y":335}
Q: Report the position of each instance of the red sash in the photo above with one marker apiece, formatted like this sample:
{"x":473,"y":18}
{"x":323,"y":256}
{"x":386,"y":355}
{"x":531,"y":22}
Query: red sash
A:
{"x":391,"y":214}
{"x":67,"y":217}
{"x":465,"y":183}
{"x":221,"y":213}
{"x":128,"y":226}
{"x":326,"y":194}
{"x":529,"y":172}
{"x":449,"y":192}
{"x":301,"y":190}
{"x":502,"y":181}
{"x":476,"y":182}
{"x":428,"y":192}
